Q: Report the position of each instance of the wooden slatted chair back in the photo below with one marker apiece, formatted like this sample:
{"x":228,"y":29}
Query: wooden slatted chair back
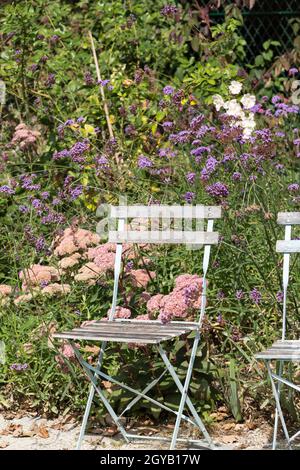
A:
{"x":287,"y":246}
{"x":189,"y":225}
{"x":163,"y":224}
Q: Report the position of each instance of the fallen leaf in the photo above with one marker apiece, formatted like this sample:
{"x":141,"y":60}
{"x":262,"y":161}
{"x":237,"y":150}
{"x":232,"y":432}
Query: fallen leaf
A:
{"x":92,"y":349}
{"x":111,"y":431}
{"x":15,"y":429}
{"x":106,"y":384}
{"x":229,"y":439}
{"x":3,"y":444}
{"x":42,"y":432}
{"x":228,"y":426}
{"x":251,"y":425}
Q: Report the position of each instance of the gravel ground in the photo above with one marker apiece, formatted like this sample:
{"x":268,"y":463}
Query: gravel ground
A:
{"x":33,"y":432}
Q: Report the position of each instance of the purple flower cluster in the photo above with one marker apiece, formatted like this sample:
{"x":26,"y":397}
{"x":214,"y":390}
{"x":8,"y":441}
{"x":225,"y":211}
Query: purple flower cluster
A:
{"x":190,"y":177}
{"x":168,"y":90}
{"x":293,"y":188}
{"x":169,"y":10}
{"x":7,"y":190}
{"x":181,"y":137}
{"x":255,"y":296}
{"x":218,"y":190}
{"x":19,"y":367}
{"x":144,"y":162}
{"x":88,"y":79}
{"x":189,"y":197}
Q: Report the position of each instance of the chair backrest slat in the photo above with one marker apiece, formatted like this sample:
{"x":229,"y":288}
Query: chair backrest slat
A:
{"x":291,"y":246}
{"x":288,"y":218}
{"x":174,"y":212}
{"x":287,"y":247}
{"x":164,"y":237}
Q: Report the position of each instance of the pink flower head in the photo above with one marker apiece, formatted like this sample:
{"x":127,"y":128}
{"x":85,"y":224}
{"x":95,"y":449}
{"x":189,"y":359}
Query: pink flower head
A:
{"x":37,"y":274}
{"x":74,"y":240}
{"x":165,"y":317}
{"x":24,"y":136}
{"x":143,"y":317}
{"x":140,"y":277}
{"x":5,"y":290}
{"x":121,"y":312}
{"x":155,"y":303}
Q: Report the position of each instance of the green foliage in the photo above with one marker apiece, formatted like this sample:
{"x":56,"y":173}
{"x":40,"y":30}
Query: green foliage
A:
{"x":45,"y":56}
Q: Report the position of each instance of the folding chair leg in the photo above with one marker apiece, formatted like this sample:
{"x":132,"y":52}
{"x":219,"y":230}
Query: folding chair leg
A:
{"x":85,"y":417}
{"x":90,"y":399}
{"x":275,"y":432}
{"x":190,"y":405}
{"x":278,"y":406}
{"x":94,"y":381}
{"x":185,"y":391}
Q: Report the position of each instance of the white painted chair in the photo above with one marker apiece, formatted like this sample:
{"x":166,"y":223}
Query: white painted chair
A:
{"x":149,"y":332}
{"x":283,"y":351}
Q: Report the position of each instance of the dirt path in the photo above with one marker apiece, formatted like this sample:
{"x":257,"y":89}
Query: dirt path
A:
{"x":33,"y":432}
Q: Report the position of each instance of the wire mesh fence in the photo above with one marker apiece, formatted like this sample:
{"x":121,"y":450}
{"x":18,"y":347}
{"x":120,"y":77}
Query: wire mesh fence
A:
{"x":267,"y":19}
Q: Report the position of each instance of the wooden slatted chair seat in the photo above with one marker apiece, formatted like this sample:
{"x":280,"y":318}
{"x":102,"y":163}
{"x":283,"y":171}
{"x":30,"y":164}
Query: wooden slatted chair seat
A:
{"x":139,"y":331}
{"x":285,"y":350}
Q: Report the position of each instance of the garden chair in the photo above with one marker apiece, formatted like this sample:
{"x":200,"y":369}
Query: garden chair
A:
{"x":283,"y":351}
{"x":149,"y":332}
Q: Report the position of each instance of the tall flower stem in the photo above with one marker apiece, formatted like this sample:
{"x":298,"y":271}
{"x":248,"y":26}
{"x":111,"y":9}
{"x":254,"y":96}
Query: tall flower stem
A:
{"x":105,"y":106}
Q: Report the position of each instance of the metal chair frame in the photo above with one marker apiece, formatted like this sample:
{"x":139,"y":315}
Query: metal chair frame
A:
{"x":107,"y":329}
{"x":283,"y":350}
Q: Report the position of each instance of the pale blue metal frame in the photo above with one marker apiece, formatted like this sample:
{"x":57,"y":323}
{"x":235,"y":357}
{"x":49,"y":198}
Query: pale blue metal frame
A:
{"x":94,"y":373}
{"x":276,"y":379}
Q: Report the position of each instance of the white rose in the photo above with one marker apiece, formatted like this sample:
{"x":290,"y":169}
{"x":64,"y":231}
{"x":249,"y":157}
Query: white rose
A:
{"x":233,"y":108}
{"x":248,"y":101}
{"x":247,"y":133}
{"x":218,"y":102}
{"x":249,"y":122}
{"x":235,"y":87}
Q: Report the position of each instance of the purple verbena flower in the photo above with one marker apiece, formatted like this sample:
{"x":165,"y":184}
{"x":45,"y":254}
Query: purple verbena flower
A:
{"x":293,"y":71}
{"x":218,"y":190}
{"x":169,"y":10}
{"x":293,"y":188}
{"x":168,"y":90}
{"x":239,"y":295}
{"x":167,"y":125}
{"x":19,"y":367}
{"x":88,"y":79}
{"x":279,"y":296}
{"x":255,"y":296}
{"x":7,"y":190}
{"x":189,"y":196}
{"x":275,"y":99}
{"x":23,"y":209}
{"x":190,"y":177}
{"x":144,"y":162}
{"x":236,"y":176}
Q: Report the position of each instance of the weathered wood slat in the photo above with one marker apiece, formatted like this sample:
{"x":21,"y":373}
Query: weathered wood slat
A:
{"x":287,"y":345}
{"x":185,"y":324}
{"x":113,"y":338}
{"x":174,"y":212}
{"x":112,"y":325}
{"x":160,"y":237}
{"x":130,"y":331}
{"x":288,"y":246}
{"x":288,"y":218}
{"x":115,"y":333}
{"x":281,"y":350}
{"x":288,"y":356}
